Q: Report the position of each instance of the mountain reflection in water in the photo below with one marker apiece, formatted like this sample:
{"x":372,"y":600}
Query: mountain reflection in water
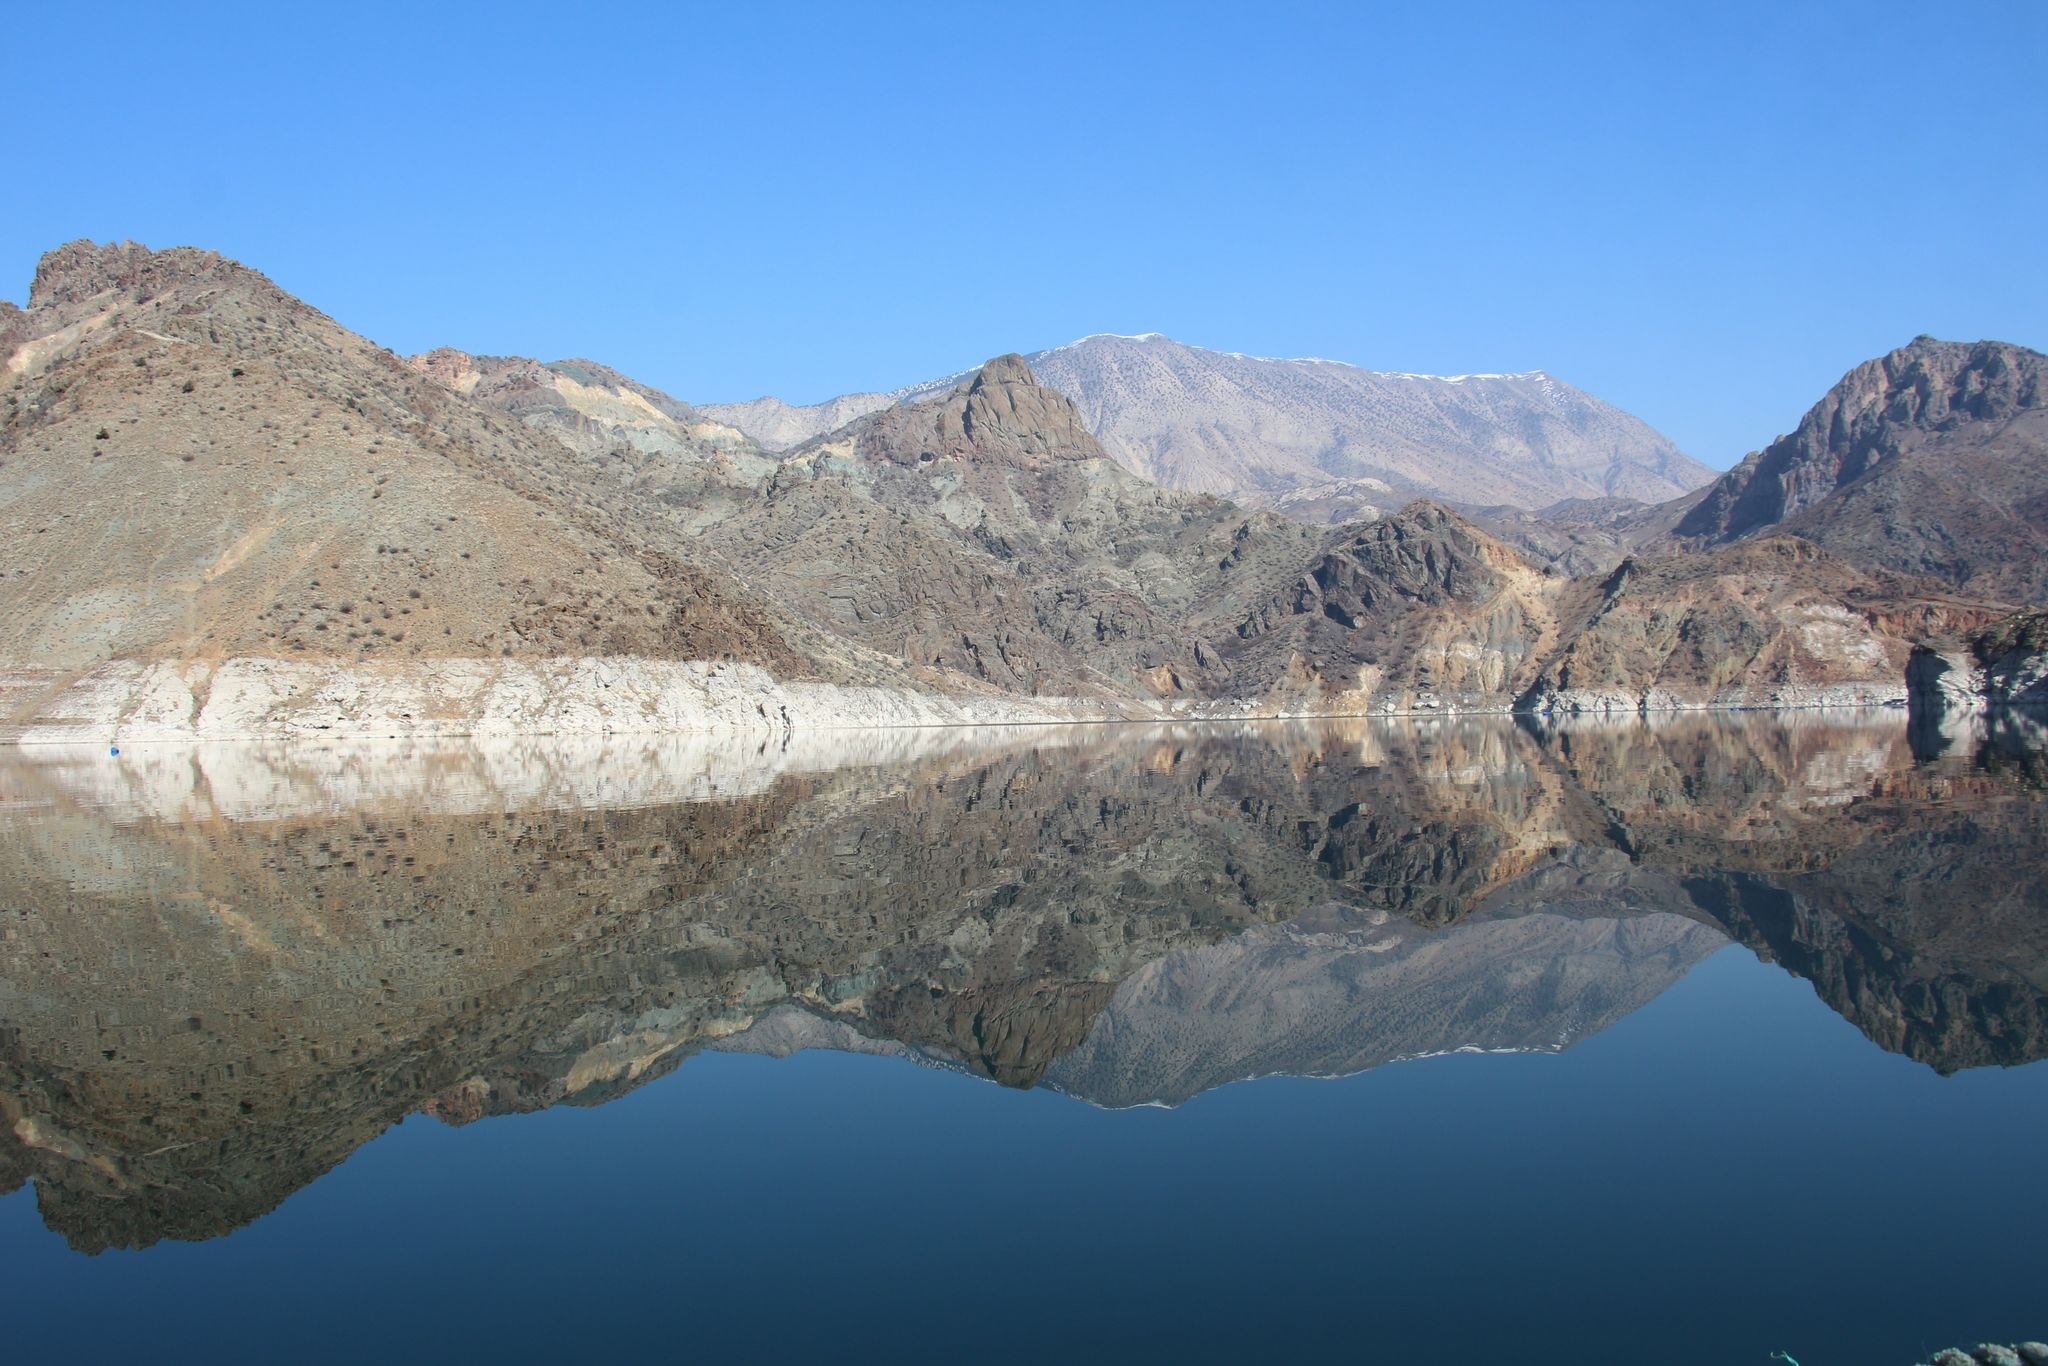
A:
{"x":222,"y":970}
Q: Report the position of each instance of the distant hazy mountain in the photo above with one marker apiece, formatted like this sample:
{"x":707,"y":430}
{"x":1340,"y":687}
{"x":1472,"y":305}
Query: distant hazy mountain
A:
{"x":1316,"y":438}
{"x":778,"y":425}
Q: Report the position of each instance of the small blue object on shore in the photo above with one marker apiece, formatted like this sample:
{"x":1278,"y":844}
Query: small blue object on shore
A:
{"x":113,"y":749}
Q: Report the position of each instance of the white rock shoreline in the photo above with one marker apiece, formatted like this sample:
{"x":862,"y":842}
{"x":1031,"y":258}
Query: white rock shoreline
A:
{"x":131,"y":701}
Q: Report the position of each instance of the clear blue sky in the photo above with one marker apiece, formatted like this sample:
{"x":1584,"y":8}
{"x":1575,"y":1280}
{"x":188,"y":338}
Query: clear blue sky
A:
{"x":1702,"y":212}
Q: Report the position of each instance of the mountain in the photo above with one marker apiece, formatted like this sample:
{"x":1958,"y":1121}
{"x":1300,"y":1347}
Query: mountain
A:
{"x":1931,"y":460}
{"x":223,"y":513}
{"x":198,"y":466}
{"x":227,"y":515}
{"x":1319,"y":439}
{"x":985,"y":531}
{"x":1910,"y":505}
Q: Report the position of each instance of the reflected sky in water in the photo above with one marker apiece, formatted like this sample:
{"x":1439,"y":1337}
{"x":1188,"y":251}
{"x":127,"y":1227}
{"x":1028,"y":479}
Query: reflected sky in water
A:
{"x":1679,"y":1042}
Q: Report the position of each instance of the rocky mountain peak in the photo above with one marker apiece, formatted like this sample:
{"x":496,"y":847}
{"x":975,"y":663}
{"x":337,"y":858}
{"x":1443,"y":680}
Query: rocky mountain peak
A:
{"x":82,"y":270}
{"x":1926,"y":387}
{"x":1934,"y":385}
{"x":1424,"y":552}
{"x":1009,"y":368}
{"x":999,"y":415}
{"x":1008,"y":409}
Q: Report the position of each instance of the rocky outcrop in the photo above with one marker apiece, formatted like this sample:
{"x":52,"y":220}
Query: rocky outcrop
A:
{"x":2004,"y":664}
{"x":1002,"y":413}
{"x":82,"y":272}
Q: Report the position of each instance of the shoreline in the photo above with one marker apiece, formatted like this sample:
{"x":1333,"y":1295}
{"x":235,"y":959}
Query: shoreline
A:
{"x":256,"y":700}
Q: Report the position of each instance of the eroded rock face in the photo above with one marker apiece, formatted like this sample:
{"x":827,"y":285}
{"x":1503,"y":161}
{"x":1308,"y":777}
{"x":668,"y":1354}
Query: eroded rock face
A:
{"x":81,"y":272}
{"x":1944,"y":678}
{"x":2014,"y":653}
{"x":2004,"y":664}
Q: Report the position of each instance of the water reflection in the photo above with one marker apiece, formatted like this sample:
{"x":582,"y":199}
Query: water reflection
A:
{"x":224,"y":969}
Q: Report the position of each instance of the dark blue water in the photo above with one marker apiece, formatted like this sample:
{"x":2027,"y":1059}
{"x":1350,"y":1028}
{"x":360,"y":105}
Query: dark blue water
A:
{"x":1730,"y":1169}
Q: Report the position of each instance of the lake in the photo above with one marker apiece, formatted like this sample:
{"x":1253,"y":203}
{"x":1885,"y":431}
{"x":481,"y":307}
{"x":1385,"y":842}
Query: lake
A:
{"x":1465,"y":1040}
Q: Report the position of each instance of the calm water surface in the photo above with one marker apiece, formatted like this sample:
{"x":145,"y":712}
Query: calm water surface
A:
{"x":1460,"y":1042}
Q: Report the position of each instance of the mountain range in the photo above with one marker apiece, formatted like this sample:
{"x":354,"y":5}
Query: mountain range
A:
{"x":221,"y":513}
{"x":1316,"y":438}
